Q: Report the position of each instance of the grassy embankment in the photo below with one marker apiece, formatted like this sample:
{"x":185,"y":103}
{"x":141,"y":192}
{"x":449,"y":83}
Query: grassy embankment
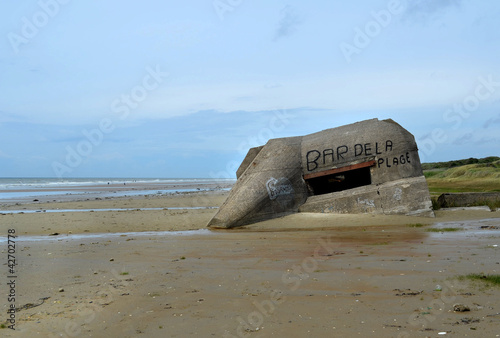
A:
{"x":469,"y":175}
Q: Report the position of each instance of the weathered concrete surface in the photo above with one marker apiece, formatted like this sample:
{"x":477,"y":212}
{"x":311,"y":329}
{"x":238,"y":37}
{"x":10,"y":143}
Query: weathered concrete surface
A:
{"x":468,"y":199}
{"x":392,"y":146}
{"x":370,"y":166}
{"x":401,"y":197}
{"x":271,"y":186}
{"x":252,"y":153}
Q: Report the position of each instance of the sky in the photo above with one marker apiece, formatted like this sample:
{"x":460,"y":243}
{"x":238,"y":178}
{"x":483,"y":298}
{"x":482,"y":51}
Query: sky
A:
{"x":185,"y":88}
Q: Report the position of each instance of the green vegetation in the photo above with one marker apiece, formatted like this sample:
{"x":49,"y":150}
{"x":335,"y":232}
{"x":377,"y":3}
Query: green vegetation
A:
{"x":458,"y":163}
{"x":124,"y":273}
{"x":490,"y":279}
{"x":494,"y":205}
{"x":470,"y":175}
{"x":417,"y":225}
{"x":435,"y":204}
{"x":432,"y":172}
{"x":442,"y":229}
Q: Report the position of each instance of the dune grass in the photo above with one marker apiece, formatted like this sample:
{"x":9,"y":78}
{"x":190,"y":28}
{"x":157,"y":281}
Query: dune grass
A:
{"x":480,"y":177}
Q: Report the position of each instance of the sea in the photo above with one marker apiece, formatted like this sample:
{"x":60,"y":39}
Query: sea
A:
{"x":9,"y":183}
{"x":24,"y":189}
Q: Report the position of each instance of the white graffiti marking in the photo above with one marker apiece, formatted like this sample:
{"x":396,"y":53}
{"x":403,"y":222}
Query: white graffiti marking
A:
{"x":276,"y":188}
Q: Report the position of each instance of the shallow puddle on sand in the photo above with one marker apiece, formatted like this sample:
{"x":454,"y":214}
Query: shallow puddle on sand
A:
{"x":467,"y":228}
{"x":347,"y":234}
{"x":371,"y":235}
{"x":67,"y":237}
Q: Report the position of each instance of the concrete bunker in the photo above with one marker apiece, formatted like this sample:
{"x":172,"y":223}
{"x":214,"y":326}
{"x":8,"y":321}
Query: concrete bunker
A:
{"x":370,"y":166}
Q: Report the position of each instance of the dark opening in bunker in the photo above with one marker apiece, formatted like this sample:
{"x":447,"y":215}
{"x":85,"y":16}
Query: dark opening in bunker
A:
{"x":339,"y":179}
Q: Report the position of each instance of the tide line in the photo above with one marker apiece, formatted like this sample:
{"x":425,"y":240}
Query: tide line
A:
{"x":5,"y":212}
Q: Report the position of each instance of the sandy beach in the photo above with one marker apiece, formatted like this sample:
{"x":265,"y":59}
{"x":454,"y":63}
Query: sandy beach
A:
{"x":148,"y":266}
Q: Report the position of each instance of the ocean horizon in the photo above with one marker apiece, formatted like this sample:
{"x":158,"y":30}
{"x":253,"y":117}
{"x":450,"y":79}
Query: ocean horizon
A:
{"x":23,"y":189}
{"x":21,"y":183}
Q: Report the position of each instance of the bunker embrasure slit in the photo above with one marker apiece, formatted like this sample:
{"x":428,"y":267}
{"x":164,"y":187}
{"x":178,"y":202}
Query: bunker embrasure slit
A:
{"x":339,"y":179}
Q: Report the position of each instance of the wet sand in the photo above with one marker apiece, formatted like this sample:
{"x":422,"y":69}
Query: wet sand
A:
{"x":174,"y":214}
{"x":301,"y":275}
